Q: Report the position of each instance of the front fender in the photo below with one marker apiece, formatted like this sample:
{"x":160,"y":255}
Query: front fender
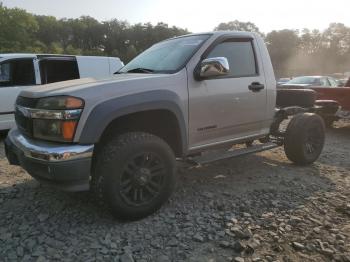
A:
{"x":103,"y":114}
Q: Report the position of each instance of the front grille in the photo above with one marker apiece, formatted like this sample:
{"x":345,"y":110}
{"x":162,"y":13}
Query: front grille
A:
{"x":24,"y":122}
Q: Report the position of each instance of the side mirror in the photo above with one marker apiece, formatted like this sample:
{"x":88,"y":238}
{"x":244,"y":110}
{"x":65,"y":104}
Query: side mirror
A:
{"x":212,"y":67}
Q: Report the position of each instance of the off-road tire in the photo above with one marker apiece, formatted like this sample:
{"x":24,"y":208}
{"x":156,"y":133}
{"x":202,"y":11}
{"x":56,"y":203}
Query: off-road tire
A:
{"x":112,"y":165}
{"x":295,"y":97}
{"x":304,"y":138}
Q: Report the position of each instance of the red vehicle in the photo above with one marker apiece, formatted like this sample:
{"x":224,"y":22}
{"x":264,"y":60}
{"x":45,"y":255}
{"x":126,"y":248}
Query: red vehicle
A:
{"x":334,"y":100}
{"x":339,"y":94}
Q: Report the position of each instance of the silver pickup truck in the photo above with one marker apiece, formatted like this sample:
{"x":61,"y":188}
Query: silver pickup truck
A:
{"x":182,"y":99}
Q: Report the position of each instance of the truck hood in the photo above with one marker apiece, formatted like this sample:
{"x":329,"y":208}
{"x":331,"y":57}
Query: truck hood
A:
{"x":82,"y":85}
{"x":134,"y":87}
{"x":95,"y":92}
{"x":86,"y":87}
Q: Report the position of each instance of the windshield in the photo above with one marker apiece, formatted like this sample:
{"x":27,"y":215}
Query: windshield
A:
{"x":306,"y":80}
{"x":167,"y":56}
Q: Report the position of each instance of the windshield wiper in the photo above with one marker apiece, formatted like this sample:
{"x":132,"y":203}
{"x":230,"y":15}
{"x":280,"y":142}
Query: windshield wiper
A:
{"x":140,"y":70}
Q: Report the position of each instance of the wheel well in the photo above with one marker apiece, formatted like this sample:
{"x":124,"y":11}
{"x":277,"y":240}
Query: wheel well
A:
{"x":161,"y":123}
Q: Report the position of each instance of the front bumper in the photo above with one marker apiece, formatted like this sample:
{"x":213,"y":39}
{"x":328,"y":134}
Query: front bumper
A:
{"x":65,"y":166}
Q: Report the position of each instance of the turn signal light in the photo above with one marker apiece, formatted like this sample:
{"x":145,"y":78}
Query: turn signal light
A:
{"x":72,"y":102}
{"x":68,"y":129}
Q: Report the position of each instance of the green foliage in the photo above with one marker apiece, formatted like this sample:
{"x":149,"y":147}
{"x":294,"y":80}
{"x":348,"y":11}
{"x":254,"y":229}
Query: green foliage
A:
{"x":282,"y":46}
{"x":70,"y":50}
{"x":55,"y":48}
{"x":24,"y":32}
{"x":292,"y":52}
{"x":17,"y":29}
{"x":310,"y":52}
{"x":307,"y":52}
{"x":238,"y":26}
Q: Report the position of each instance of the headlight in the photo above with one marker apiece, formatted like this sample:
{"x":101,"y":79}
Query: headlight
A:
{"x":60,"y":102}
{"x":56,"y":118}
{"x":54,"y":130}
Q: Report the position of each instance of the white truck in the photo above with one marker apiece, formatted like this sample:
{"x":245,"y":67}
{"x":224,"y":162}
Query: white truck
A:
{"x":21,"y":71}
{"x":179,"y":100}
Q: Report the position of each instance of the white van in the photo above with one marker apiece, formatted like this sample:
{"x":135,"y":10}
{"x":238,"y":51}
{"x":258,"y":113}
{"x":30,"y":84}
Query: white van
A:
{"x":21,"y":71}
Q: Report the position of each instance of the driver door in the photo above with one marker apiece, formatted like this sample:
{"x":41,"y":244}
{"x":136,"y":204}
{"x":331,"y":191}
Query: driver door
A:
{"x":225,"y":108}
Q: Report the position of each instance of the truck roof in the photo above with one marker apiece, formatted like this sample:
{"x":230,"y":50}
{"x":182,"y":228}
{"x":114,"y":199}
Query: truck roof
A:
{"x":28,"y":55}
{"x":17,"y":55}
{"x":231,"y":33}
{"x":219,"y":33}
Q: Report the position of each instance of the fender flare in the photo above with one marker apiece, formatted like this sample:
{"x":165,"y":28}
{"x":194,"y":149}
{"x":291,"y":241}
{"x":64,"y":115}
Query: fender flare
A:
{"x":106,"y":112}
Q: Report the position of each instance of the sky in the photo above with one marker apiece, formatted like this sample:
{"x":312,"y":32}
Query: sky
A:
{"x":200,"y":15}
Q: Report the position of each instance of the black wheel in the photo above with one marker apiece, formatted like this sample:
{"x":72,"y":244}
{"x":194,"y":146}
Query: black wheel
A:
{"x":295,"y":97}
{"x":304,"y":138}
{"x":135,"y":174}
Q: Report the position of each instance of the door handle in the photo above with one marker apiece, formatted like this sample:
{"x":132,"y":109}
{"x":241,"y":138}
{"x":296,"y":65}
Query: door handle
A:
{"x":256,"y":87}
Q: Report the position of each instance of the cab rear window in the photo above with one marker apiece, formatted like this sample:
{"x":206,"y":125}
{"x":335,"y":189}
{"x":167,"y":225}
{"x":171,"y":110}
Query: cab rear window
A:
{"x":56,"y":70}
{"x":19,"y":72}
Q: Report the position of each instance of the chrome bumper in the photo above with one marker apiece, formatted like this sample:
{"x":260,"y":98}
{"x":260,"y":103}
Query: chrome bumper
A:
{"x":49,"y":151}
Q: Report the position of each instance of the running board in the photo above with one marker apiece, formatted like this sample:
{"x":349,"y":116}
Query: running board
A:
{"x":211,"y":157}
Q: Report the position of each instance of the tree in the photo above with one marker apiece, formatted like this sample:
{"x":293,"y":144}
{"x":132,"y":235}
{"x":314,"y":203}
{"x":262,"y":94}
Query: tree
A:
{"x":70,"y":50}
{"x":238,"y":26}
{"x":282,"y":46}
{"x":18,"y":29}
{"x":87,"y":33}
{"x":55,"y":48}
{"x":292,"y":52}
{"x":131,"y":52}
{"x":115,"y":36}
{"x":48,"y":29}
{"x":128,"y":40}
{"x":336,"y":51}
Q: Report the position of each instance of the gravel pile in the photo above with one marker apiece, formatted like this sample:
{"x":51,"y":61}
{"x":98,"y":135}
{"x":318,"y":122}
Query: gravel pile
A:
{"x":253,"y":208}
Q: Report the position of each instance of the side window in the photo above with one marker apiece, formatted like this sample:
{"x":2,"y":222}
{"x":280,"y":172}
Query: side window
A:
{"x":317,"y":82}
{"x":56,"y":70}
{"x":324,"y":82}
{"x":5,"y":74}
{"x":240,"y":56}
{"x":19,"y":72}
{"x":332,"y":82}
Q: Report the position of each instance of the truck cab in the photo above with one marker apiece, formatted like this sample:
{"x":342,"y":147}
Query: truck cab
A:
{"x":22,"y":71}
{"x":248,"y":88}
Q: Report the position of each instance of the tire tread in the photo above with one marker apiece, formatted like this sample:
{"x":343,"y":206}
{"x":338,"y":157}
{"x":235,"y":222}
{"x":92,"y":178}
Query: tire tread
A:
{"x":113,"y":150}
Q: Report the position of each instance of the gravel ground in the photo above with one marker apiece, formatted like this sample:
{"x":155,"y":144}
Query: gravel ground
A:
{"x":253,"y":208}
